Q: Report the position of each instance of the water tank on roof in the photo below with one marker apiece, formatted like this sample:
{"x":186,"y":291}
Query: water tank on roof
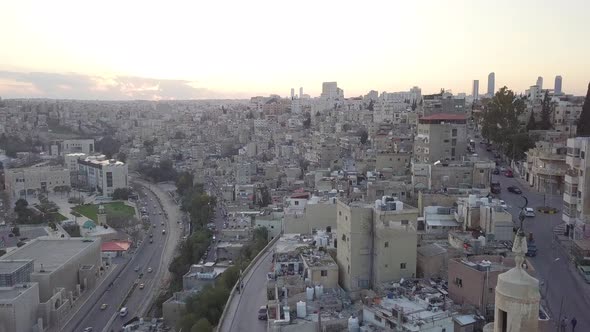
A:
{"x":472,"y":199}
{"x":353,"y":324}
{"x":301,"y":309}
{"x":317,"y":292}
{"x":399,"y":205}
{"x":378,"y":204}
{"x":309,"y":293}
{"x":482,"y":240}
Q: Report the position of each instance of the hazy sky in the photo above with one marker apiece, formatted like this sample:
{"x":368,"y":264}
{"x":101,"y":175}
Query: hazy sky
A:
{"x":210,"y":49}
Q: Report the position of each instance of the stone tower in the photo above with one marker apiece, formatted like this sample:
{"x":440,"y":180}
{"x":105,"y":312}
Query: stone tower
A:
{"x":517,"y":296}
{"x":101,"y":216}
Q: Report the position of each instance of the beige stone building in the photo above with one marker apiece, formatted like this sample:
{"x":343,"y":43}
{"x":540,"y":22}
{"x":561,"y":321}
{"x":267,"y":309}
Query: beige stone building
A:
{"x":317,"y":213}
{"x":463,"y":175}
{"x":376,"y":242}
{"x":441,"y":137}
{"x":27,"y":182}
{"x":545,"y":168}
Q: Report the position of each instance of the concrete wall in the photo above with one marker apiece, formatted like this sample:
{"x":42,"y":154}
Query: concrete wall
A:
{"x":328,"y":281}
{"x":316,"y":216}
{"x":20,"y":313}
{"x":432,"y":266}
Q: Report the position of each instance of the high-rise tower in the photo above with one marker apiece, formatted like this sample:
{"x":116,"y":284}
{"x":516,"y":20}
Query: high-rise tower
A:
{"x":557,"y":88}
{"x":491,"y":84}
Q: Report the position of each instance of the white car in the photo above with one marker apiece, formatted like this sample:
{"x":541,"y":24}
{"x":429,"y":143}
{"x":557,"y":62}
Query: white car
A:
{"x":529,"y":212}
{"x":503,"y":204}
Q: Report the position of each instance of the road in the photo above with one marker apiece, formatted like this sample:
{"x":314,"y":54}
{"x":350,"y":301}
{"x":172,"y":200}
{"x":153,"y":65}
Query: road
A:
{"x":558,"y":276}
{"x":155,"y":255}
{"x":220,"y":217}
{"x":242,"y":312}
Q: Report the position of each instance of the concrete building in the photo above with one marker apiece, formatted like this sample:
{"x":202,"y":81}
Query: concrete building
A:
{"x":576,"y":196}
{"x":545,"y":168}
{"x":438,"y":221}
{"x":443,"y":176}
{"x":491,"y":84}
{"x":72,"y":264}
{"x":540,"y":82}
{"x":443,"y":102}
{"x":432,"y":261}
{"x":496,"y":222}
{"x":330,"y":90}
{"x":60,"y":148}
{"x":103,"y":175}
{"x":27,"y":182}
{"x":475,"y":90}
{"x":15,"y":272}
{"x":308,"y":216}
{"x":441,"y":137}
{"x":557,"y":87}
{"x":71,"y":161}
{"x":376,"y":242}
{"x":472,"y":280}
{"x":18,"y":308}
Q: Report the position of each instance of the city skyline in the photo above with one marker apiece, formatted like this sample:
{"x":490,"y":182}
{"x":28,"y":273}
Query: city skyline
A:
{"x":202,"y":51}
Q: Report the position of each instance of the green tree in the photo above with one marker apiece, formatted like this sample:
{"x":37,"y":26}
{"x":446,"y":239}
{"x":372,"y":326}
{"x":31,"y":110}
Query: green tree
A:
{"x":184,"y":183}
{"x":202,"y":325}
{"x":121,"y":156}
{"x":532,"y":124}
{"x":20,"y":205}
{"x":109,"y":146}
{"x":414,"y":105}
{"x":121,"y":193}
{"x":584,"y":120}
{"x":500,"y":118}
{"x":364,"y":134}
{"x":546,"y":112}
{"x":307,"y":121}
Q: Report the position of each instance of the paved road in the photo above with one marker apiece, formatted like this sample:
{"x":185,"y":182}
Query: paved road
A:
{"x":124,"y":278}
{"x":220,"y":216}
{"x":242,"y":312}
{"x":560,"y":281}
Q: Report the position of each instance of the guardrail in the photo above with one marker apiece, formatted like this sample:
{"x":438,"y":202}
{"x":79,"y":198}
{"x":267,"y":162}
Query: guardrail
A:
{"x":232,"y":294}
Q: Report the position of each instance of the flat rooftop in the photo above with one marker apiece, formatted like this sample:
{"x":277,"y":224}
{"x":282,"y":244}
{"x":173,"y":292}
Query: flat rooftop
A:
{"x":9,"y":293}
{"x":52,"y":253}
{"x":10,"y":266}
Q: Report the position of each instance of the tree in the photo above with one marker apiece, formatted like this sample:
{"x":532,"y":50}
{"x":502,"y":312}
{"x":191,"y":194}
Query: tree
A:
{"x":307,"y":121}
{"x":121,"y":193}
{"x":500,"y":118}
{"x":584,"y":120}
{"x":364,"y":135}
{"x":109,"y":146}
{"x":184,"y":182}
{"x":202,"y":325}
{"x":121,"y":156}
{"x":20,"y":205}
{"x":532,"y":124}
{"x":546,"y":111}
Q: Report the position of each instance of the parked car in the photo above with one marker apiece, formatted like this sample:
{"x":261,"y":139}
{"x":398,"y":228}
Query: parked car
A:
{"x":514,"y":190}
{"x":529,"y":212}
{"x":585,"y":272}
{"x":262,"y":313}
{"x":496,"y":171}
{"x":88,"y":329}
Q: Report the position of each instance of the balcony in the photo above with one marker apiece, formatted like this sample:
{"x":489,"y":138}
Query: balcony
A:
{"x":571,"y":179}
{"x":572,"y":161}
{"x":550,"y":171}
{"x":551,"y":156}
{"x":570,"y":198}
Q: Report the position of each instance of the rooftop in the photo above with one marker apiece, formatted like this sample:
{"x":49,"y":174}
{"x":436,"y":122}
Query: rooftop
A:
{"x":9,"y":293}
{"x":10,"y":266}
{"x":444,"y":116}
{"x":50,"y":253}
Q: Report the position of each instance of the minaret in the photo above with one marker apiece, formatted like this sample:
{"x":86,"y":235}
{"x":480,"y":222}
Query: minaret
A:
{"x":517,"y":295}
{"x":101,"y":216}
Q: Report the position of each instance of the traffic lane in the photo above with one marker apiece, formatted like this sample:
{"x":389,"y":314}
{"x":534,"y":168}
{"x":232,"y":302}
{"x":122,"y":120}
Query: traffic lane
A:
{"x":253,"y":296}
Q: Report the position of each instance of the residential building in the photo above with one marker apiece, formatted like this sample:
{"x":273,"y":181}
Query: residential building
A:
{"x":432,"y":261}
{"x":27,"y":182}
{"x":438,"y":221}
{"x":546,"y":167}
{"x":540,"y":82}
{"x":443,"y":102}
{"x":103,"y":175}
{"x":330,"y":90}
{"x":496,"y":222}
{"x":472,"y":280}
{"x":462,"y":175}
{"x":303,"y":216}
{"x":441,"y":137}
{"x":576,"y":196}
{"x":376,"y":242}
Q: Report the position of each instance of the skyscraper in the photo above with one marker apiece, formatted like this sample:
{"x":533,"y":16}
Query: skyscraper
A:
{"x":540,"y":82}
{"x":491,"y":84}
{"x":301,"y":93}
{"x":557,"y":85}
{"x":475,"y":92}
{"x":292,"y":93}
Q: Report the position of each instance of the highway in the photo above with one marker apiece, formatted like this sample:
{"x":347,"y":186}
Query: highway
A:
{"x":560,"y":281}
{"x":126,"y":280}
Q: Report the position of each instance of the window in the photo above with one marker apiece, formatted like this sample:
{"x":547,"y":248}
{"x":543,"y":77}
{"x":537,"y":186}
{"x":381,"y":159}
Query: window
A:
{"x":491,"y":290}
{"x":348,"y":269}
{"x":386,"y":244}
{"x":343,"y":237}
{"x":405,"y":222}
{"x":296,"y":202}
{"x":454,"y":132}
{"x":324,"y":273}
{"x":402,"y":266}
{"x":339,"y":213}
{"x":109,"y":179}
{"x":459,"y":282}
{"x":378,"y":319}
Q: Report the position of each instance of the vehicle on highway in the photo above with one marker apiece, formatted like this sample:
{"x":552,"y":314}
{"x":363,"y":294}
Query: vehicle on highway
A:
{"x":149,"y":270}
{"x":514,"y":190}
{"x":529,"y":212}
{"x":123,"y":312}
{"x":151,"y":234}
{"x":154,"y":225}
{"x":262,"y":313}
{"x":160,"y":213}
{"x":88,"y":329}
{"x":151,"y":240}
{"x":142,"y":285}
{"x":163,"y":231}
{"x":162,"y":223}
{"x":585,"y":272}
{"x":136,"y":269}
{"x":103,"y":306}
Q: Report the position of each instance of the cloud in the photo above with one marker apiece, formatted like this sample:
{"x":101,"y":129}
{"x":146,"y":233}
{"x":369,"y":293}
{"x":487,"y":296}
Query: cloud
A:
{"x":78,"y":86}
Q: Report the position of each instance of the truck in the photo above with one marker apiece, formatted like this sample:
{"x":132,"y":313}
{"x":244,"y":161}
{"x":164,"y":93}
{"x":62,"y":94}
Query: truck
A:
{"x":496,"y":188}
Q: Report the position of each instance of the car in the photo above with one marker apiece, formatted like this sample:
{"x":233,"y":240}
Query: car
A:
{"x":262,"y":313}
{"x":136,"y":269}
{"x":123,"y":312}
{"x":496,"y":171}
{"x":103,"y":306}
{"x":160,"y":213}
{"x":488,"y":149}
{"x":514,"y":190}
{"x":508,"y":173}
{"x":149,"y":270}
{"x":154,"y":225}
{"x":162,"y":223}
{"x":151,"y":240}
{"x":529,"y":212}
{"x":585,"y":272}
{"x":503,"y":204}
{"x":88,"y":329}
{"x":141,"y":286}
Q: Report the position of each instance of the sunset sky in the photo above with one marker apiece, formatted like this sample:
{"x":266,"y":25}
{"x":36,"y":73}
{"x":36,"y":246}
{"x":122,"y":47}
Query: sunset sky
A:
{"x":237,"y":49}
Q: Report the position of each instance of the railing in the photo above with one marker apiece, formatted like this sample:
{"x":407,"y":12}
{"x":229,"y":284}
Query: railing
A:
{"x":245,"y":272}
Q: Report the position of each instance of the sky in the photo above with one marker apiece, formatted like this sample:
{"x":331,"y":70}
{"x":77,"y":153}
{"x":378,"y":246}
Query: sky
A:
{"x":198,"y":49}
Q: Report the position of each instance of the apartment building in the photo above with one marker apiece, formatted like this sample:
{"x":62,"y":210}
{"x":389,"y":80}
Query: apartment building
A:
{"x":545,"y":167}
{"x":443,"y":102}
{"x":60,"y":148}
{"x":576,"y":196}
{"x":440,"y":137}
{"x":18,"y":307}
{"x":27,"y":182}
{"x":442,"y":176}
{"x":103,"y":175}
{"x":376,"y":242}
